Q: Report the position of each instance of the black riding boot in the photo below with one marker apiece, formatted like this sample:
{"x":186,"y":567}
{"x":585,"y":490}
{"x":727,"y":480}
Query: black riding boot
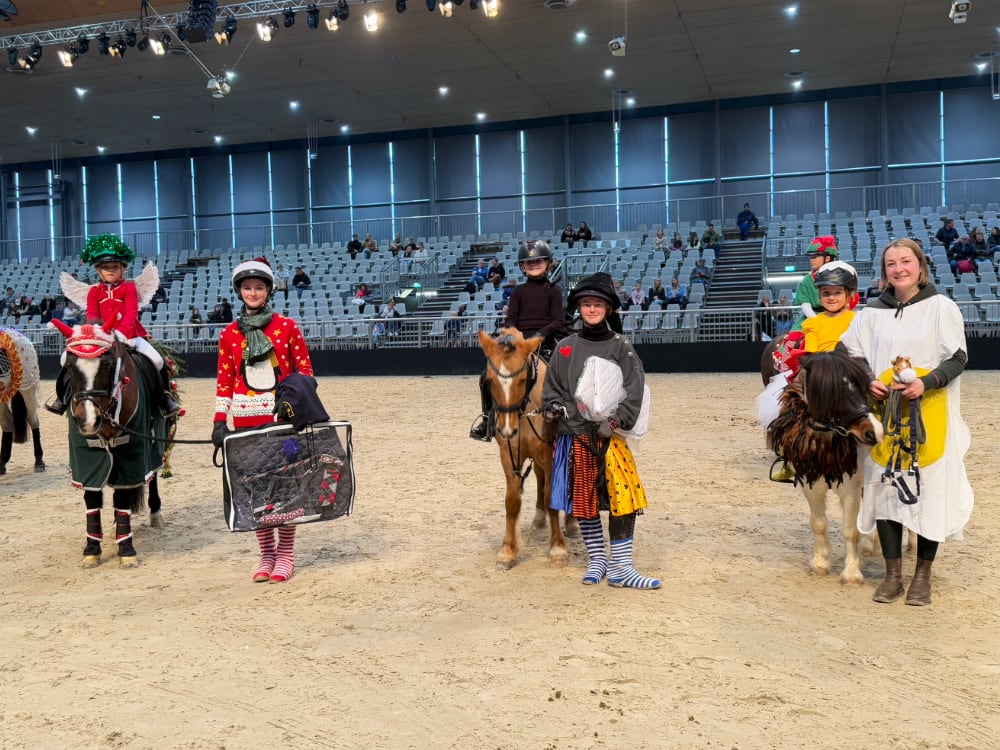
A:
{"x":60,"y":402}
{"x":482,"y":427}
{"x":168,"y":404}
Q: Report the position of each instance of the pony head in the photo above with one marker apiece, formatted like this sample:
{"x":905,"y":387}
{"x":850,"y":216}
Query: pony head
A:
{"x":87,"y":340}
{"x":834,"y":387}
{"x":511,"y":370}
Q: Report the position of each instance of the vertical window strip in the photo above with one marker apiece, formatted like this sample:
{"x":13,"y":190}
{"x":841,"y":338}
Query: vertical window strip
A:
{"x":770,"y":167}
{"x":83,"y":190}
{"x":392,"y":190}
{"x":941,"y":145}
{"x":309,"y":192}
{"x":524,"y":181}
{"x":270,"y":198}
{"x":232,"y":201}
{"x":666,"y":166}
{"x":350,"y":186}
{"x":17,"y":215}
{"x":52,"y":220}
{"x":194,"y":206}
{"x":156,"y":205}
{"x":618,"y":200}
{"x":121,"y":201}
{"x":826,"y":152}
{"x":479,"y":202}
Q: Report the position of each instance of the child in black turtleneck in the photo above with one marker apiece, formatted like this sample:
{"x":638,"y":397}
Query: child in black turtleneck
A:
{"x":535,"y":308}
{"x":594,"y":469}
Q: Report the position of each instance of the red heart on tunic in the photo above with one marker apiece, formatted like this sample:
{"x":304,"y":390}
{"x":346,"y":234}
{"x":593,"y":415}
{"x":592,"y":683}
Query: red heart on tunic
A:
{"x":565,"y":350}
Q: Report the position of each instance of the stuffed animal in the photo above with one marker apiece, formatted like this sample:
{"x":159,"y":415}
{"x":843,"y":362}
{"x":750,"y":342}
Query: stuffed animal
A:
{"x":902,"y":370}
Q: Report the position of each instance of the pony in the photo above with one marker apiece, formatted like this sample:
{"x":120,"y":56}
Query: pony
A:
{"x":516,"y":374}
{"x":825,"y":414}
{"x":19,"y":399}
{"x":117,"y":436}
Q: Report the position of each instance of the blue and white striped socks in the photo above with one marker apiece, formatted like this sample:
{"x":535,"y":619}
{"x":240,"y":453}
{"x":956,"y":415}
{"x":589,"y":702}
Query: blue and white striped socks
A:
{"x":597,"y":562}
{"x":622,"y":573}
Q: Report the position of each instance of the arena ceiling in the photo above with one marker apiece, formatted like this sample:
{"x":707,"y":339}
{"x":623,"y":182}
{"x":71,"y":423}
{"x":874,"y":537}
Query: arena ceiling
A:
{"x":526,"y":63}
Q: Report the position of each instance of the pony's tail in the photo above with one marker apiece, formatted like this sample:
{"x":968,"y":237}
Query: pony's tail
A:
{"x":139,"y":499}
{"x":19,"y":410}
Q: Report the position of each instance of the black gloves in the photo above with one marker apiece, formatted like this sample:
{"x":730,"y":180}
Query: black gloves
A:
{"x":219,"y":432}
{"x":553,"y":411}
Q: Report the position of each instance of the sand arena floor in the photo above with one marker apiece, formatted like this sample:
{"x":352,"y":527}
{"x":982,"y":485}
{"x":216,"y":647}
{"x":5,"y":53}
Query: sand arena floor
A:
{"x":397,"y":630}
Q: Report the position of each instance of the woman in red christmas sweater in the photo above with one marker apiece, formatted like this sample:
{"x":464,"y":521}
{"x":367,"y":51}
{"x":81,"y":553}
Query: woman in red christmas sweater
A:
{"x":257,"y":351}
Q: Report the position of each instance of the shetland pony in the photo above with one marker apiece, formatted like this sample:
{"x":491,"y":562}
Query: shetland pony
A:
{"x":116,"y":435}
{"x":516,"y":375}
{"x":19,"y":397}
{"x":824,"y":414}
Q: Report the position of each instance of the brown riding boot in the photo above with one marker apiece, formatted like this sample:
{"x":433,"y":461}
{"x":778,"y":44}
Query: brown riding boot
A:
{"x":891,"y":587}
{"x":919,"y":594}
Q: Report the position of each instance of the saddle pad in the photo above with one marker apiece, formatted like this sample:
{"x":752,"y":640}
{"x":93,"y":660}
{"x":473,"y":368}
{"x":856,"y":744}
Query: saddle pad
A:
{"x":275,"y":476}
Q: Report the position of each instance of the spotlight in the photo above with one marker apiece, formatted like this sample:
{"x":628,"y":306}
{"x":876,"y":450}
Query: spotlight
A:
{"x":83,"y":44}
{"x":491,"y":8}
{"x":401,"y":6}
{"x":289,"y":18}
{"x":267,"y":30}
{"x":431,"y":5}
{"x":959,"y":12}
{"x":35,"y":54}
{"x":446,"y":8}
{"x":343,"y":10}
{"x":332,"y":24}
{"x":372,"y":19}
{"x":103,"y":43}
{"x":118,"y":48}
{"x":181,"y":32}
{"x":143,"y":44}
{"x":473,"y":4}
{"x":12,"y":56}
{"x":161,"y":45}
{"x":68,"y":56}
{"x":227,"y":32}
{"x":218,"y":87}
{"x":130,"y":37}
{"x":312,"y":16}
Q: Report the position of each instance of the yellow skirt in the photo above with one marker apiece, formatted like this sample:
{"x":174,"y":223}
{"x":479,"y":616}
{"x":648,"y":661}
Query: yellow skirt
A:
{"x":625,"y":493}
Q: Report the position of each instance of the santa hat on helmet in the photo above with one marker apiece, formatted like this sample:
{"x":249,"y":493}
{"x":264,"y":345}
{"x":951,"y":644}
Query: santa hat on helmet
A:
{"x":823,"y":246}
{"x":258,"y":268}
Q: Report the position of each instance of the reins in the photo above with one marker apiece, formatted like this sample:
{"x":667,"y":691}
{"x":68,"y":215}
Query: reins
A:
{"x":531,"y":365}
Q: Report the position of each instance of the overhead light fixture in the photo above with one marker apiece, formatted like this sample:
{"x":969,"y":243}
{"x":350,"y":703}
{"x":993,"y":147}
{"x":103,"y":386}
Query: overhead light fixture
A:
{"x":332,"y":24}
{"x":160,"y":45}
{"x":344,"y":128}
{"x":218,"y":87}
{"x":791,"y":10}
{"x":797,"y":84}
{"x":981,"y":67}
{"x":227,"y":32}
{"x":267,"y":29}
{"x":68,"y":56}
{"x":143,"y":44}
{"x":443,"y":90}
{"x":81,"y":92}
{"x":131,"y":38}
{"x":480,"y":116}
{"x":31,"y":129}
{"x":401,"y":6}
{"x":118,"y":48}
{"x":103,"y":44}
{"x":447,"y":8}
{"x":312,"y":16}
{"x":12,"y":56}
{"x":82,"y":44}
{"x":959,"y":12}
{"x":609,"y":73}
{"x":794,"y":51}
{"x":491,"y":8}
{"x":218,"y":139}
{"x":372,"y":19}
{"x":293,"y":105}
{"x":343,"y":10}
{"x":431,"y":5}
{"x":473,"y":4}
{"x":33,"y":57}
{"x":101,"y":149}
{"x":289,"y":15}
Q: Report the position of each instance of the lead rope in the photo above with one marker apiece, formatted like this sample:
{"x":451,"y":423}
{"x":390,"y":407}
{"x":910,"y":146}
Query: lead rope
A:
{"x":893,"y":422}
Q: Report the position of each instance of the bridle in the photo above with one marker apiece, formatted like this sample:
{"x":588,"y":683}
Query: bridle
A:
{"x":107,"y":402}
{"x":531,"y":365}
{"x":841,"y":425}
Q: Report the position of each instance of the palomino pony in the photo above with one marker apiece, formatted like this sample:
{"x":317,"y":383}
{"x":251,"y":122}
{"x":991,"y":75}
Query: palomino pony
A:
{"x":117,"y":436}
{"x":516,"y":374}
{"x":18,"y":396}
{"x":825,"y":413}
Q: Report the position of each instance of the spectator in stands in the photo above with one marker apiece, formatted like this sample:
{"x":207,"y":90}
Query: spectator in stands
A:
{"x":227,"y":310}
{"x":660,"y":241}
{"x":746,"y":220}
{"x":961,"y":256}
{"x":58,"y":312}
{"x":46,"y":307}
{"x":636,"y":299}
{"x":196,"y":322}
{"x":993,"y":238}
{"x":159,"y":298}
{"x":947,"y":235}
{"x":361,"y":297}
{"x":693,"y":242}
{"x":764,"y":322}
{"x":10,"y":302}
{"x":657,"y":295}
{"x":453,"y":327}
{"x":677,"y":243}
{"x":70,"y":315}
{"x":501,"y":319}
{"x":410,"y":247}
{"x":711,"y":238}
{"x":622,"y":294}
{"x":496,"y":273}
{"x":508,"y":290}
{"x":301,"y":281}
{"x":386,"y":324}
{"x":977,"y":241}
{"x":568,"y":235}
{"x":874,"y":289}
{"x":281,"y":280}
{"x":478,"y":277}
{"x":782,"y":317}
{"x":701,"y":273}
{"x":584,"y":234}
{"x":396,"y":245}
{"x":354,"y":246}
{"x":27,"y":309}
{"x":369,"y":246}
{"x":677,"y":293}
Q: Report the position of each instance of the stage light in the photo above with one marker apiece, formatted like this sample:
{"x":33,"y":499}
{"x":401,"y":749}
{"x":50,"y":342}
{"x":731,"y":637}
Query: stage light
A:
{"x":343,"y":10}
{"x":131,"y":39}
{"x":143,"y":44}
{"x":267,"y":29}
{"x":227,"y":32}
{"x":401,"y":6}
{"x":118,"y":48}
{"x":431,"y":5}
{"x":181,"y":32}
{"x":491,"y":8}
{"x":473,"y":4}
{"x":312,"y":16}
{"x":12,"y":56}
{"x":83,"y":44}
{"x":161,"y":45}
{"x":332,"y":24}
{"x":372,"y":18}
{"x":68,"y":56}
{"x":446,"y":8}
{"x":289,"y":18}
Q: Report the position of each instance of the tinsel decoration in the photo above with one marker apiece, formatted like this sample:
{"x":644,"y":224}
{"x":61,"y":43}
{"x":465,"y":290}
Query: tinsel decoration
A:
{"x":106,"y":246}
{"x":175,"y":369}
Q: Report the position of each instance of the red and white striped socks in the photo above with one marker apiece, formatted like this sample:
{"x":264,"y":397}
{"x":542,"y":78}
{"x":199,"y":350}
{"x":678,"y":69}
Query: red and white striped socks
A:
{"x":265,"y":539}
{"x":284,"y":563}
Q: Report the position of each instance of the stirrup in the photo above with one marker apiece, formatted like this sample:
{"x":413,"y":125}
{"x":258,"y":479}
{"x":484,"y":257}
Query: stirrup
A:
{"x":480,"y":429}
{"x":782,"y":473}
{"x":169,"y":406}
{"x":56,"y":406}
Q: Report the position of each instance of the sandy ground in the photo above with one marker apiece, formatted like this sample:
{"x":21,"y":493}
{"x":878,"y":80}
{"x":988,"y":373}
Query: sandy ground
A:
{"x":397,"y":630}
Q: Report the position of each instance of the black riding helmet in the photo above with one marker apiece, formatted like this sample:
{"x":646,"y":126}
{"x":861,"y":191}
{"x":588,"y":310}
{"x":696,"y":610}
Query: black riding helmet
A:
{"x":533,"y":249}
{"x":837,"y":273}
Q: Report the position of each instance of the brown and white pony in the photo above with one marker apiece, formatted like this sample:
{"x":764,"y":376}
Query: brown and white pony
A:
{"x":19,"y":396}
{"x":116,"y":425}
{"x":825,"y":413}
{"x":516,"y":375}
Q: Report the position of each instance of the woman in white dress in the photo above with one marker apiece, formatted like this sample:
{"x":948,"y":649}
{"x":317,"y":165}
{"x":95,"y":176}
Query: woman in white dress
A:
{"x":930,"y":496}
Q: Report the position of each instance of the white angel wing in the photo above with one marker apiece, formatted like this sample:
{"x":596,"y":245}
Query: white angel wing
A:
{"x":75,"y":290}
{"x":146,"y":283}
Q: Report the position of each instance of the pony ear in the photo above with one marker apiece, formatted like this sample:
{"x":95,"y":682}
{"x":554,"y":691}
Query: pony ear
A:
{"x":532,"y":344}
{"x":486,"y":342}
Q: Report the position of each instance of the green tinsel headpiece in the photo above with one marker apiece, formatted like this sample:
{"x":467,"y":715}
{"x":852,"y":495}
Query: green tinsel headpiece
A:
{"x":106,"y":247}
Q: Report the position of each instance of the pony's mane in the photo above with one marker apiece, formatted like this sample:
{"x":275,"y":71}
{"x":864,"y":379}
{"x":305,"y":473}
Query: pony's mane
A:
{"x":825,"y":376}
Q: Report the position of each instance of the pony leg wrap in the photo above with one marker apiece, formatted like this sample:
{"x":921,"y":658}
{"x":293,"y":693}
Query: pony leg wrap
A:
{"x":123,"y":525}
{"x":284,"y":562}
{"x":597,"y":557}
{"x":622,"y":572}
{"x":265,"y":540}
{"x":94,"y":531}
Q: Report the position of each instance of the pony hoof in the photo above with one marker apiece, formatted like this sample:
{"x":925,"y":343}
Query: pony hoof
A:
{"x":819,"y":570}
{"x":558,"y":561}
{"x":853,"y":579}
{"x":91,"y":561}
{"x":39,"y":468}
{"x":3,"y":470}
{"x":128,"y":562}
{"x":503,"y":564}
{"x":156,"y":520}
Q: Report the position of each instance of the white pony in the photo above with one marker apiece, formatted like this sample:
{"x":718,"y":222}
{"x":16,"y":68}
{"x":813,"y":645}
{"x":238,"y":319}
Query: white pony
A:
{"x":19,"y":386}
